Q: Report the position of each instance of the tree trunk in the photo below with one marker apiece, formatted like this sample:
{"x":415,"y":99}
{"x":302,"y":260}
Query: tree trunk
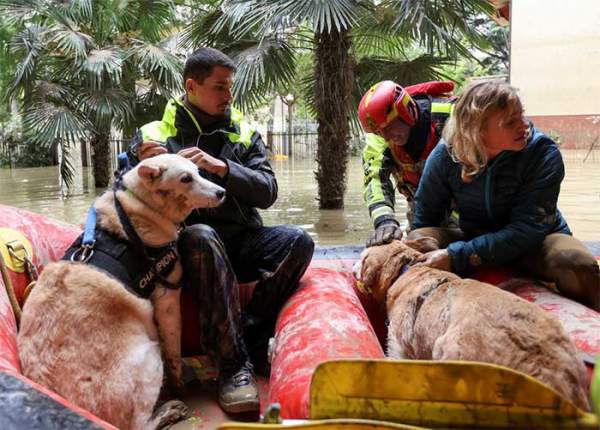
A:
{"x":333,"y":89}
{"x":128,"y":85}
{"x":101,"y":159}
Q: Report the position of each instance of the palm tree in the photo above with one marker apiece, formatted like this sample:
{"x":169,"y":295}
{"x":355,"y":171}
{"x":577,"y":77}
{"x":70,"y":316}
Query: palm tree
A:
{"x":80,"y":66}
{"x":354,"y":43}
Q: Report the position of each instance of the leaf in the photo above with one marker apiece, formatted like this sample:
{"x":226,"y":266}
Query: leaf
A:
{"x":103,"y":64}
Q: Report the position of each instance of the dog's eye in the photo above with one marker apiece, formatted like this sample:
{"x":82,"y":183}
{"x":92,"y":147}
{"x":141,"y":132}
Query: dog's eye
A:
{"x":186,"y":179}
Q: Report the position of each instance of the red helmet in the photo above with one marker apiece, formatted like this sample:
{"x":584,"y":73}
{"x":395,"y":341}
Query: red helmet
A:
{"x":383,"y":103}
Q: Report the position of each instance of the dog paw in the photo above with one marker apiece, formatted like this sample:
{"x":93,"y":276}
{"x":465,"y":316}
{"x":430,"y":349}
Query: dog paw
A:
{"x":169,"y":413}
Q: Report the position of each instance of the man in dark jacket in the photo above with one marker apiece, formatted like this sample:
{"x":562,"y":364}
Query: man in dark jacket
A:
{"x":224,"y":246}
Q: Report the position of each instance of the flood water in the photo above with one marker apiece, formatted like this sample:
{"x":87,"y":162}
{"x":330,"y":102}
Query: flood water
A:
{"x":38,"y":190}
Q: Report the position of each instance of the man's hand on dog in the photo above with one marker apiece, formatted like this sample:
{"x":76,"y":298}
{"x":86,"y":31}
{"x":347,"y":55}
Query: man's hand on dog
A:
{"x":205,"y":161}
{"x":438,"y":259}
{"x":149,"y":149}
{"x":385,"y":232}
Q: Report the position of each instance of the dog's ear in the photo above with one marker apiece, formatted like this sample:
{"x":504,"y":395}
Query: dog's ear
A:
{"x":150,"y":172}
{"x":423,"y":244}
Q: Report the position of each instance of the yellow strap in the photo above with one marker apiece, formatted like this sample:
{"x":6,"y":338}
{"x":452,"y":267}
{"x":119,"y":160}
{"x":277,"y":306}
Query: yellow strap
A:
{"x":14,"y":248}
{"x":15,"y":253}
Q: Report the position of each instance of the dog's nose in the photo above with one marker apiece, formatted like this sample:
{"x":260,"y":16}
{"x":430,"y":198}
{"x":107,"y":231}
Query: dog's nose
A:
{"x":220,"y":194}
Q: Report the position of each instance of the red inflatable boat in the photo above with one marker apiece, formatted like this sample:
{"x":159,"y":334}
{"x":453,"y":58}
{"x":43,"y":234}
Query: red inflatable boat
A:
{"x":326,"y":319}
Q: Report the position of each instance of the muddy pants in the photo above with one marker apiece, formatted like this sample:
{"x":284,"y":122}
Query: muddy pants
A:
{"x":560,"y":258}
{"x":275,"y":257}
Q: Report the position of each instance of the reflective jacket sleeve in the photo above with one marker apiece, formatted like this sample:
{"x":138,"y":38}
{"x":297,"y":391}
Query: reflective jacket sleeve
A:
{"x":434,"y":194}
{"x":533,"y":216}
{"x":378,"y":191}
{"x":251,"y":180}
{"x":156,"y":131}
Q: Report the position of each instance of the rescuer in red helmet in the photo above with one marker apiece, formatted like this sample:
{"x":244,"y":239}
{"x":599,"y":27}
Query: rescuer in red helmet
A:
{"x":402,"y":127}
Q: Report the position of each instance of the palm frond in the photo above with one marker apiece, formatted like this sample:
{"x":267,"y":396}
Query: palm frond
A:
{"x":106,"y":107}
{"x":375,"y":35}
{"x":278,"y":15}
{"x":373,"y":42}
{"x":102,"y":64}
{"x":261,"y":68}
{"x":18,"y":11}
{"x":326,"y":16}
{"x":81,"y":10}
{"x":439,"y":25}
{"x":74,"y":10}
{"x":158,"y":64}
{"x":206,"y":29}
{"x":52,"y":90}
{"x":237,"y":18}
{"x":71,"y":42}
{"x":47,"y":121}
{"x":405,"y":72}
{"x":154,"y":18}
{"x":28,"y":45}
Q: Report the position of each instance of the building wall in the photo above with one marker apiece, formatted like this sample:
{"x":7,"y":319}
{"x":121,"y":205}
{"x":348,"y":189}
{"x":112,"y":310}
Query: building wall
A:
{"x":555,"y":63}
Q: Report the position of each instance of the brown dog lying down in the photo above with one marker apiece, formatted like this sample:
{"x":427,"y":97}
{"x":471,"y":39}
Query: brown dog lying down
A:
{"x":97,"y":342}
{"x":436,"y":315}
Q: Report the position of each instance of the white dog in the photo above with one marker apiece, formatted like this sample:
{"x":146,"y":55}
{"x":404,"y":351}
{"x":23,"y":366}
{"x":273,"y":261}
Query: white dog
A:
{"x":94,"y":340}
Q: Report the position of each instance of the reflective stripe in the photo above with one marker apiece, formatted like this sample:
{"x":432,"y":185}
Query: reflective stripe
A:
{"x":246,"y":130}
{"x":372,"y":164}
{"x":158,"y":131}
{"x":169,"y":114}
{"x":383,"y":210}
{"x":446,"y":108}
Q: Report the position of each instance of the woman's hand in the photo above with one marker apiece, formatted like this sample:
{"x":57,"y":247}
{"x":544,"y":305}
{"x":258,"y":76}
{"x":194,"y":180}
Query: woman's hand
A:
{"x":438,"y":259}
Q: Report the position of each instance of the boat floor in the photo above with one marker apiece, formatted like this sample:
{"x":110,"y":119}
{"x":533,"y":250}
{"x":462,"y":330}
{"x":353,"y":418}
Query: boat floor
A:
{"x":204,"y":410}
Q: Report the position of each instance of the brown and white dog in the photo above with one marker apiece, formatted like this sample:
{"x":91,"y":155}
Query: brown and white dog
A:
{"x":85,"y":336}
{"x":436,"y":315}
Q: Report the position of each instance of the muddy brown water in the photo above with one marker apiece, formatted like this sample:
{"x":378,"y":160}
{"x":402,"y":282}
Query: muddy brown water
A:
{"x":38,"y":190}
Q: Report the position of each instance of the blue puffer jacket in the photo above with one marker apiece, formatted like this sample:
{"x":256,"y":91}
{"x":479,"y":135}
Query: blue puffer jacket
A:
{"x":509,"y":208}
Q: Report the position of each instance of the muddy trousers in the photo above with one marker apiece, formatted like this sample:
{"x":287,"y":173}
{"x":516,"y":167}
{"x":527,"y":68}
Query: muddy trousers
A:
{"x":274,"y":257}
{"x":560,"y":259}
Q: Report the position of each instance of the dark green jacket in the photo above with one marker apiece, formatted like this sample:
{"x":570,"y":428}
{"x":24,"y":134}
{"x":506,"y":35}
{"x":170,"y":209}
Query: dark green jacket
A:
{"x":508,"y":209}
{"x":250,"y":183}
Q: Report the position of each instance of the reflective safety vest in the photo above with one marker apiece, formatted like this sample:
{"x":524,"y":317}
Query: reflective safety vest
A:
{"x":381,"y":160}
{"x":160,"y":131}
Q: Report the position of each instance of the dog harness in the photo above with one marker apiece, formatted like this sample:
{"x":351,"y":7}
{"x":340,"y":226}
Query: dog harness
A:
{"x":137,"y":266}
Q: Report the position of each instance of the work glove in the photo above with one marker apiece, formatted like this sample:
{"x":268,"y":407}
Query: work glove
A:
{"x":385,"y":232}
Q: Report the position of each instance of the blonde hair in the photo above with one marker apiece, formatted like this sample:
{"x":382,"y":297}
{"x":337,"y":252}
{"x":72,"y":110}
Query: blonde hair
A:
{"x":463,"y":129}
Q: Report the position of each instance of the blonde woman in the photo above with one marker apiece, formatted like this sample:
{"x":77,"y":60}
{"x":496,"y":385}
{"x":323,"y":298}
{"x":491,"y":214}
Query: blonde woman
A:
{"x":504,"y":177}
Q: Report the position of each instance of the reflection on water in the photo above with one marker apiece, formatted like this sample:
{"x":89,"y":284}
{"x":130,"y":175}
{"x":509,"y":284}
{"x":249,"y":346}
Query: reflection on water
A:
{"x":38,"y":190}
